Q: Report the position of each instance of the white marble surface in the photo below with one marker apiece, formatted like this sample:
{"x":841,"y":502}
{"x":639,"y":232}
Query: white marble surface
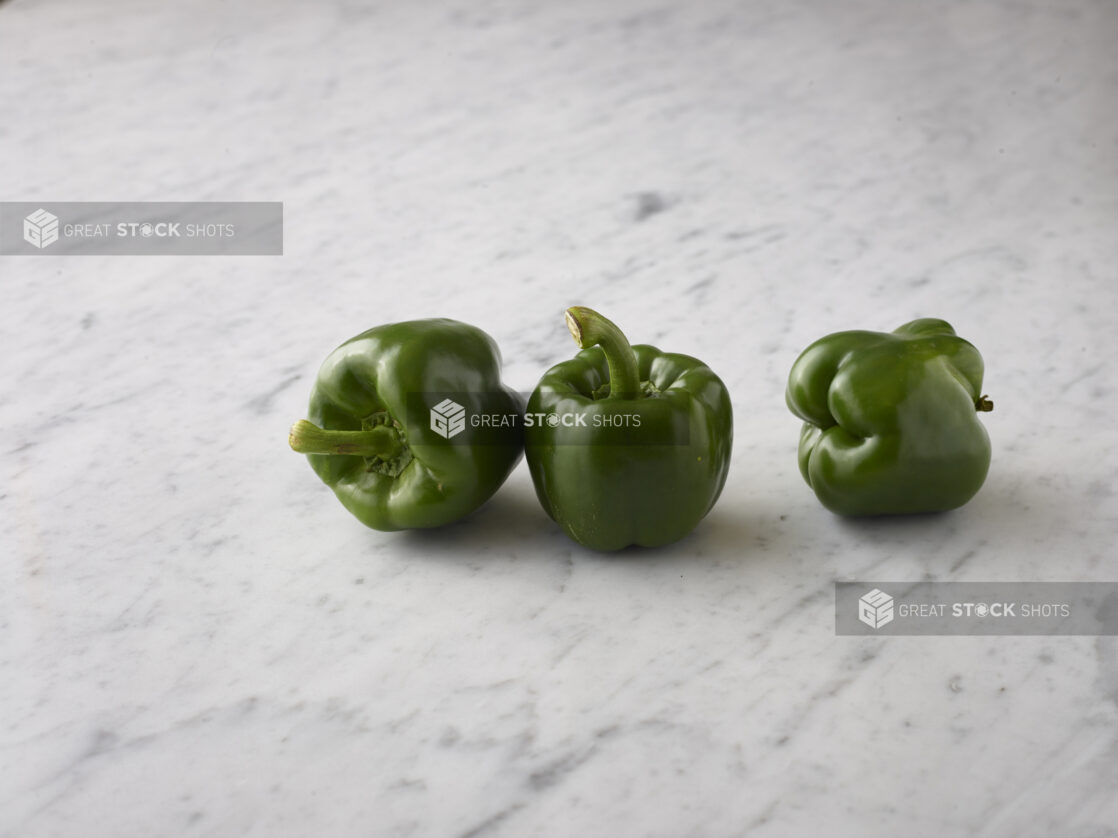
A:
{"x":196,"y":639}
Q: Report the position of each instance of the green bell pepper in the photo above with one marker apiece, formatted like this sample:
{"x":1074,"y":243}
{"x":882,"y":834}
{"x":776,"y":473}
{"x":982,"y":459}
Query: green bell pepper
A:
{"x":891,"y":419}
{"x":627,"y":445}
{"x":373,"y":441}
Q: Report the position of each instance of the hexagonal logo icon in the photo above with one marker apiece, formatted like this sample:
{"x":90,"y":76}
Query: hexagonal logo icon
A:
{"x":448,"y":418}
{"x":40,"y":229}
{"x":875,"y":609}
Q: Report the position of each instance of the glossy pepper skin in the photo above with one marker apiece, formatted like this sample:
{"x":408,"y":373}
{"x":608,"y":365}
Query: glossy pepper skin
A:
{"x":891,"y":419}
{"x":649,"y":456}
{"x":370,"y":437}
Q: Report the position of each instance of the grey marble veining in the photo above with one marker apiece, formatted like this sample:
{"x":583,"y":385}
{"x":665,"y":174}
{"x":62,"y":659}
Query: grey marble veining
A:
{"x":195,"y":638}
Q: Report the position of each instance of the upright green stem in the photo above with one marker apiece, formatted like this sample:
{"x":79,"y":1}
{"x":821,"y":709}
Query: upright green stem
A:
{"x":591,"y":329}
{"x":381,"y":441}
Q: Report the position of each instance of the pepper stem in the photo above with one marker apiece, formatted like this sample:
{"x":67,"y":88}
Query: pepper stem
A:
{"x":381,"y":441}
{"x":589,"y":328}
{"x":983,"y":405}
